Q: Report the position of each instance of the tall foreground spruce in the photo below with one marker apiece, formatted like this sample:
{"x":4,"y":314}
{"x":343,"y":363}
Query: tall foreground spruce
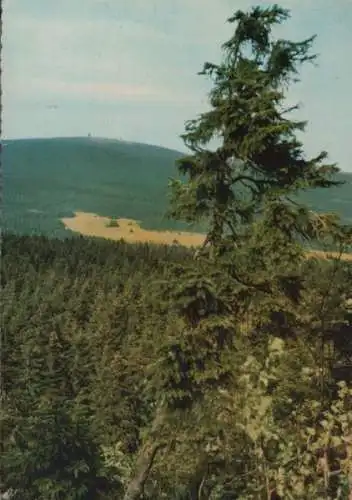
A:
{"x":259,"y":159}
{"x":244,"y":191}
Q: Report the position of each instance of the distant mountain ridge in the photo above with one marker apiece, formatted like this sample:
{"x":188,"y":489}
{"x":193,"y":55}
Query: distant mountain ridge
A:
{"x":47,"y":179}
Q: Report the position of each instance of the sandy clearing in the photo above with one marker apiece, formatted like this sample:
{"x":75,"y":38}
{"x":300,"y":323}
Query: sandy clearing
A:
{"x":128,"y":229}
{"x":95,"y":225}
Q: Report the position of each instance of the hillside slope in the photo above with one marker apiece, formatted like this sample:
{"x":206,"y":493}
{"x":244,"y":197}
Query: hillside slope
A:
{"x":51,"y":178}
{"x":48,"y":179}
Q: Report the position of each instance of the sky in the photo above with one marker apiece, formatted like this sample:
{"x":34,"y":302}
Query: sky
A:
{"x":127,"y":69}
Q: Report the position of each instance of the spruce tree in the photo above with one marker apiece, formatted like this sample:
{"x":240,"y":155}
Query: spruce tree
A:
{"x":245,"y":192}
{"x":260,"y":162}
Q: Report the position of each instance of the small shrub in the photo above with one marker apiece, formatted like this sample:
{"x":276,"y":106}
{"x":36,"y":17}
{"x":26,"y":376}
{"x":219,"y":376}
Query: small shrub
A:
{"x":113,"y":223}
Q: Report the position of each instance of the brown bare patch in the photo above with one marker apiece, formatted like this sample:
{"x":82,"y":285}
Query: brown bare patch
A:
{"x":130,"y":230}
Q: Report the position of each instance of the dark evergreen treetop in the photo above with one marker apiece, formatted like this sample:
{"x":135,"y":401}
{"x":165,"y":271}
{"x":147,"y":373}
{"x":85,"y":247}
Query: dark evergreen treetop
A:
{"x":260,"y":159}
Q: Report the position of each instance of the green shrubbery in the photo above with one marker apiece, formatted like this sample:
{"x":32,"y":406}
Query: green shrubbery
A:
{"x":113,"y":222}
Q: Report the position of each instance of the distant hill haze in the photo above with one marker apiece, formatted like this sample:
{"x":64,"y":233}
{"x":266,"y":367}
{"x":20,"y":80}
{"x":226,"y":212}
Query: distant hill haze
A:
{"x":46,"y":180}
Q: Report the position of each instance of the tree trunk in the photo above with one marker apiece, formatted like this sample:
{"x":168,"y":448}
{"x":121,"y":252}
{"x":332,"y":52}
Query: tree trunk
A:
{"x":145,"y":460}
{"x":143,"y":465}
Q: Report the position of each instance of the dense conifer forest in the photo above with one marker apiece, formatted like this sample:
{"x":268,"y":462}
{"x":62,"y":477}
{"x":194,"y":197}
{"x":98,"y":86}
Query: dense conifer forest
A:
{"x":86,"y":326}
{"x":142,"y":372}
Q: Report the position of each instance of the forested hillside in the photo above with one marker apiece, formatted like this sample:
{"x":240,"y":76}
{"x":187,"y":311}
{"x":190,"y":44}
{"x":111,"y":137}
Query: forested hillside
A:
{"x":48,"y":179}
{"x":140,"y":372}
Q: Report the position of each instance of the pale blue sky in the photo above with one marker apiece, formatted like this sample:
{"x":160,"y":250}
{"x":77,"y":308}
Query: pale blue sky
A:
{"x":128,"y":68}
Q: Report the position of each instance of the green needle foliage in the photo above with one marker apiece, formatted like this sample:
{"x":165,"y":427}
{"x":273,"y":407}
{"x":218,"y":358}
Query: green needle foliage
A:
{"x":193,"y":352}
{"x":260,"y":158}
{"x":244,"y":191}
